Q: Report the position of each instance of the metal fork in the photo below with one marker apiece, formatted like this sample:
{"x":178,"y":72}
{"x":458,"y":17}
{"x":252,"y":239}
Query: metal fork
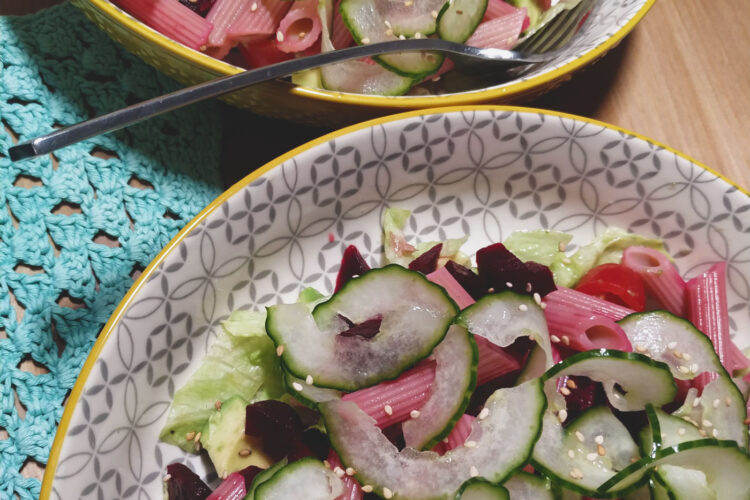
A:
{"x":472,"y":60}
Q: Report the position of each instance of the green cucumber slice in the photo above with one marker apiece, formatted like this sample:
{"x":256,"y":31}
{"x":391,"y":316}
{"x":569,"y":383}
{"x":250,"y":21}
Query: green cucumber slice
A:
{"x":459,"y":19}
{"x":308,"y":394}
{"x":264,"y":476}
{"x":680,"y":483}
{"x":503,"y":317}
{"x":415,"y":316}
{"x":455,"y":379}
{"x":307,"y":475}
{"x":525,"y":486}
{"x":478,"y":488}
{"x":725,"y":466}
{"x":535,"y":365}
{"x":570,"y":455}
{"x":665,"y":430}
{"x":500,"y":443}
{"x":382,"y":20}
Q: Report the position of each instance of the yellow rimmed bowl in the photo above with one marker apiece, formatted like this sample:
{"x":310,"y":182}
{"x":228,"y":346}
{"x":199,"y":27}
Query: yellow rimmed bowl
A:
{"x":609,"y":23}
{"x":477,"y":171}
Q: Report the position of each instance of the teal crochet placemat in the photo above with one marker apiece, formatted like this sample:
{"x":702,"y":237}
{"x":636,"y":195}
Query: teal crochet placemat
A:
{"x":77,"y":228}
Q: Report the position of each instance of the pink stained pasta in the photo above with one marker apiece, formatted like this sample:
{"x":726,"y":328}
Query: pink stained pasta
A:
{"x":499,"y":33}
{"x":707,"y":310}
{"x":460,"y":432}
{"x":452,"y":287}
{"x":352,"y":489}
{"x":594,"y":332}
{"x":498,"y":8}
{"x":660,"y":276}
{"x":222,"y":15}
{"x":172,"y":19}
{"x":300,"y":28}
{"x":565,"y":301}
{"x":258,"y":21}
{"x":341,"y":37}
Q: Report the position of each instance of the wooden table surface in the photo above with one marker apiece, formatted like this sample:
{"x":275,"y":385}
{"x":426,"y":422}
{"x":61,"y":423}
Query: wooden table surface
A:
{"x":682,"y":77}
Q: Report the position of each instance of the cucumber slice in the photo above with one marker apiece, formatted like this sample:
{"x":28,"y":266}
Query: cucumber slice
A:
{"x":264,"y":476}
{"x":630,"y":380}
{"x":459,"y":19}
{"x":577,"y":464}
{"x":665,"y":430}
{"x":725,"y":466}
{"x":680,"y":483}
{"x":500,"y":443}
{"x":525,"y":486}
{"x":415,"y":316}
{"x":382,"y":20}
{"x":503,"y":317}
{"x":535,"y":365}
{"x":455,"y":379}
{"x":308,"y":394}
{"x":478,"y":488}
{"x":307,"y":475}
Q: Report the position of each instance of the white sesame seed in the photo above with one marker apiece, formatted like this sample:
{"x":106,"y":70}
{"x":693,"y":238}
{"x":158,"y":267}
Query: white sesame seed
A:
{"x":677,"y":354}
{"x":566,"y":260}
{"x":301,"y":34}
{"x":591,"y":457}
{"x":579,"y":436}
{"x":681,"y":431}
{"x":707,"y":423}
{"x":483,"y":414}
{"x":641,"y":348}
{"x":564,"y":391}
{"x":537,"y":298}
{"x":702,"y":432}
{"x":387,"y":493}
{"x":562,"y":415}
{"x":694,"y":368}
{"x":671,"y":345}
{"x":728,"y":401}
{"x":571,"y":454}
{"x":683,"y":369}
{"x":339,"y":472}
{"x":167,"y":477}
{"x":543,"y":305}
{"x":576,"y":473}
{"x":254,"y":7}
{"x":198,"y":437}
{"x":388,"y":410}
{"x":414,"y":414}
{"x":523,"y":308}
{"x":418,"y":35}
{"x":203,"y":48}
{"x":327,"y":464}
{"x":309,"y":380}
{"x":401,"y":37}
{"x":470,"y":444}
{"x":696,"y":402}
{"x":561,"y":246}
{"x":600,"y":450}
{"x":715,"y":433}
{"x":408,"y":3}
{"x":599,"y":439}
{"x":509,"y":284}
{"x":434,"y":14}
{"x":686,"y":356}
{"x":350,"y":471}
{"x":565,"y":340}
{"x":490,"y":290}
{"x":279,"y":36}
{"x":716,"y":403}
{"x":280,"y":350}
{"x":473,"y":472}
{"x":365,"y":41}
{"x":436,"y":79}
{"x":297,"y":386}
{"x":555,"y":339}
{"x":571,"y":383}
{"x":244,"y":453}
{"x":190,"y":436}
{"x":388,"y":23}
{"x":367,"y":488}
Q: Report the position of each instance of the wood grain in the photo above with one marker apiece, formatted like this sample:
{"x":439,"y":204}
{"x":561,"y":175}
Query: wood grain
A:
{"x":681,"y":78}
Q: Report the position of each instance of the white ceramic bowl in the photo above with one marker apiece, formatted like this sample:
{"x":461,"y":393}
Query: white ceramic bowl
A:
{"x":482,"y":171}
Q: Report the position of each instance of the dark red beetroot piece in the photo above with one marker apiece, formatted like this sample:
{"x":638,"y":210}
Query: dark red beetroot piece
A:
{"x":468,"y":279}
{"x":249,"y":473}
{"x":584,"y":393}
{"x":184,"y":484}
{"x":367,"y":329}
{"x":428,"y":261}
{"x":199,"y":6}
{"x":497,"y":267}
{"x":352,"y":264}
{"x":281,"y":430}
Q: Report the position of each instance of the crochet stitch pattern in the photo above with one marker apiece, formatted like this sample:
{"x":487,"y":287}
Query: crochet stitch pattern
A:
{"x":76,"y":228}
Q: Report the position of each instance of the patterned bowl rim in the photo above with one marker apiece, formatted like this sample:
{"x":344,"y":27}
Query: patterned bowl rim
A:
{"x":109,"y":327}
{"x":401,"y":102}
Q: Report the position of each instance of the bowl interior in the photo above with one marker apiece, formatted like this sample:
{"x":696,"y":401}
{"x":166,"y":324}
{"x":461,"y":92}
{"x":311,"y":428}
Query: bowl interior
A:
{"x":482,"y":172}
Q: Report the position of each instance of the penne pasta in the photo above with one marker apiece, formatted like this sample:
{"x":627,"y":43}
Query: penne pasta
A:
{"x":659,"y":275}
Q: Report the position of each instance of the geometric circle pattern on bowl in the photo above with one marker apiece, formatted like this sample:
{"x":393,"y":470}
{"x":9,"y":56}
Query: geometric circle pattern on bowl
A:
{"x":483,"y":172}
{"x":609,"y":22}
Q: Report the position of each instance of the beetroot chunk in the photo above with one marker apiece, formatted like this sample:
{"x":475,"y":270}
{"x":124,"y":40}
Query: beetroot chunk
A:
{"x":367,"y":329}
{"x":279,"y":427}
{"x":468,"y":279}
{"x":184,"y":484}
{"x":352,"y":264}
{"x":249,"y":473}
{"x":502,"y":270}
{"x":427,"y":262}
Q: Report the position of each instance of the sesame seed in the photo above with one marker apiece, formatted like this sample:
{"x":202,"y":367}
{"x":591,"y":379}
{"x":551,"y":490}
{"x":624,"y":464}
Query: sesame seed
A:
{"x":707,"y":423}
{"x":554,"y":338}
{"x":401,"y":37}
{"x":244,"y":453}
{"x":203,"y":48}
{"x":388,"y":410}
{"x":561,"y":246}
{"x":301,"y":34}
{"x":509,"y":284}
{"x":641,"y":348}
{"x":473,"y":472}
{"x":543,"y":305}
{"x":365,"y":41}
{"x":537,"y":298}
{"x":702,"y":432}
{"x":571,"y":454}
{"x":746,"y":421}
{"x":686,"y":356}
{"x":167,"y":477}
{"x":197,"y":446}
{"x":523,"y":308}
{"x":470,"y":444}
{"x":217,"y":405}
{"x":576,"y":473}
{"x":190,"y":436}
{"x":696,"y":402}
{"x":418,"y":35}
{"x":677,"y":354}
{"x":436,"y":79}
{"x":601,"y":450}
{"x":483,"y":414}
{"x":715,"y":433}
{"x":591,"y":457}
{"x":565,"y":339}
{"x":681,"y":431}
{"x":564,"y":391}
{"x":599,"y":439}
{"x":387,"y":493}
{"x":309,"y":380}
{"x":528,"y":287}
{"x":683,"y":369}
{"x":254,"y":7}
{"x":571,"y":383}
{"x":694,"y":367}
{"x":327,"y":464}
{"x":367,"y":488}
{"x":445,"y":440}
{"x":408,"y":3}
{"x":671,"y":345}
{"x":562,"y":415}
{"x":414,"y":414}
{"x":224,"y":474}
{"x":279,"y":36}
{"x":280,"y":350}
{"x":490,"y":290}
{"x":339,"y":472}
{"x":579,"y":436}
{"x":566,"y":260}
{"x":434,"y":14}
{"x":728,"y":401}
{"x":350,"y":471}
{"x":297,"y":386}
{"x":459,"y":12}
{"x":716,"y":403}
{"x":198,"y":437}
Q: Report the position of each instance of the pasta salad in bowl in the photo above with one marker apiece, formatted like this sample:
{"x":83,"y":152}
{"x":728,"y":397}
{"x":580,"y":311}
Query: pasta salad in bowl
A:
{"x":472,"y":303}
